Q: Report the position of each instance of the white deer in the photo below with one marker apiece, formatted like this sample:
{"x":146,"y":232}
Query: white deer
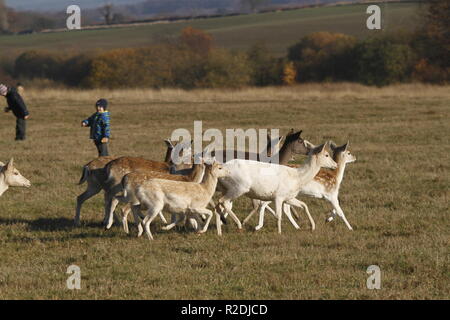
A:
{"x":11,"y":177}
{"x":325,"y":185}
{"x":270,"y":182}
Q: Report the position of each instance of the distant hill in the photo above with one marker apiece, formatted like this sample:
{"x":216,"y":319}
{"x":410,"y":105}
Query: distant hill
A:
{"x":154,"y":7}
{"x":61,"y":5}
{"x":278,"y":30}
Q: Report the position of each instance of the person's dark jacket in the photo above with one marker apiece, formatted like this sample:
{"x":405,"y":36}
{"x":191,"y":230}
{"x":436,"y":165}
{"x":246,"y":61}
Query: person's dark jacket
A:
{"x":16,"y":104}
{"x":100,"y":125}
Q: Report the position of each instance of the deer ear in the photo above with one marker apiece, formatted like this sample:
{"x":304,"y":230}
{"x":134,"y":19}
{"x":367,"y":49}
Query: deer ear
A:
{"x":10,"y":164}
{"x":333,"y":146}
{"x":168,"y":143}
{"x":319,"y":149}
{"x":346,"y":145}
{"x":308,"y":144}
{"x":324,"y":148}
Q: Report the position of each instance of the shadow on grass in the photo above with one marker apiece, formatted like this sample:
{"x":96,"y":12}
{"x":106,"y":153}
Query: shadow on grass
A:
{"x":56,"y":229}
{"x":50,"y":224}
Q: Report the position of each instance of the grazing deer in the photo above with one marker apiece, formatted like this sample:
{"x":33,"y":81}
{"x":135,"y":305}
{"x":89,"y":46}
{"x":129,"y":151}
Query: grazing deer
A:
{"x":131,"y":182}
{"x":271,"y":182}
{"x":325,"y":185}
{"x":118,"y":168}
{"x":11,"y":177}
{"x":177,"y":197}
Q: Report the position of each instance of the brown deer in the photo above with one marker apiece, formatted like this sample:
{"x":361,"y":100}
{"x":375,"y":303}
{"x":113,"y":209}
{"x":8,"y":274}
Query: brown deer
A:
{"x":118,"y":168}
{"x":95,"y":176}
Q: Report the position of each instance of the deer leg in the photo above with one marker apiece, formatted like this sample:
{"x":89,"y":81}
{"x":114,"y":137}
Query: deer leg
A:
{"x":112,"y":206}
{"x":125,"y":211}
{"x":262,"y":208}
{"x":218,"y":222}
{"x":270,"y":210}
{"x":287,"y":211}
{"x":175,"y":219}
{"x":295,"y":213}
{"x":208,"y":213}
{"x":332,"y":216}
{"x":278,"y":210}
{"x":297,"y":203}
{"x":340,"y":213}
{"x":151,"y":215}
{"x":256,"y":204}
{"x":91,"y":191}
{"x":227,"y":204}
{"x":137,"y":219}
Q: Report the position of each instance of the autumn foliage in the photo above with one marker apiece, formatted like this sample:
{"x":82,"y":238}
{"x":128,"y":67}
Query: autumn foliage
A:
{"x":193,"y":61}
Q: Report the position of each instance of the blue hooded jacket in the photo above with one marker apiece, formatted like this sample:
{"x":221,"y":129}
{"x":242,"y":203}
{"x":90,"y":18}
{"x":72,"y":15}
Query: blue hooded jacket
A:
{"x":99,"y":124}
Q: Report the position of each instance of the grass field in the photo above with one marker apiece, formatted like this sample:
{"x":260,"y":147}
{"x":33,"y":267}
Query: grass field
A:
{"x":278,"y":30}
{"x":395,"y":195}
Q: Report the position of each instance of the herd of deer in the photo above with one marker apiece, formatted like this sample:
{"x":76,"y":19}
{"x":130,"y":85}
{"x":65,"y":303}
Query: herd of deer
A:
{"x":147,"y":188}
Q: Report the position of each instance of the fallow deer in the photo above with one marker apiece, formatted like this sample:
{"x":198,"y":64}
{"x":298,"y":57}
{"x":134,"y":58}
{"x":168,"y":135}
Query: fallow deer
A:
{"x":11,"y":177}
{"x":325,"y":185}
{"x":131,"y":181}
{"x":271,"y":182}
{"x":179,"y":197}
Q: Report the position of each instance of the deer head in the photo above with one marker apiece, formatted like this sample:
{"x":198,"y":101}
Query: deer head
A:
{"x":295,"y":142}
{"x":216,"y":169}
{"x":322,"y":157}
{"x":12,"y":176}
{"x":341,"y":153}
{"x":273,"y":144}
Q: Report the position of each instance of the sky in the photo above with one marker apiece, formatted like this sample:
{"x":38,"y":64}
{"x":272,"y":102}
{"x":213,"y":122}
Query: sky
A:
{"x":61,"y":5}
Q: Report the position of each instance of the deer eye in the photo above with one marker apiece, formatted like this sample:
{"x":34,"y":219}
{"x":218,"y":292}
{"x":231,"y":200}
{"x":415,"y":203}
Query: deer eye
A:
{"x":16,"y":174}
{"x":326,"y":156}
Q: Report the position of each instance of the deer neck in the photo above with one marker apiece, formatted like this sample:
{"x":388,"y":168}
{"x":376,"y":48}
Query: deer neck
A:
{"x":209,"y":184}
{"x":196,"y":174}
{"x":309,"y":170}
{"x":168,"y":156}
{"x":3,"y":185}
{"x":340,"y":172}
{"x":285,"y":154}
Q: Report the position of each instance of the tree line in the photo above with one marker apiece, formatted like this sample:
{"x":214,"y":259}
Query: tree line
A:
{"x":192,"y":61}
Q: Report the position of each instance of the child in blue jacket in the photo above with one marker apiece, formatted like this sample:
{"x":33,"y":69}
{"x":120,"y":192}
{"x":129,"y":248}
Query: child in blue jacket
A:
{"x":99,"y":123}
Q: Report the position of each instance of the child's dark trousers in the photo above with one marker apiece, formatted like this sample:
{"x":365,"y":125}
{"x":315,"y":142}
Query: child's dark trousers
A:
{"x":102,"y":148}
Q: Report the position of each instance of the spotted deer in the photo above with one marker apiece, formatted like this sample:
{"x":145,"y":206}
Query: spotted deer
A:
{"x":116,"y":169}
{"x":95,"y":175}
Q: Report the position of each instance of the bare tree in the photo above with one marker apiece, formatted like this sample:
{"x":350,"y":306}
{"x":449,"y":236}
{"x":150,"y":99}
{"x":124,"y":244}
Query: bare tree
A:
{"x":253,"y":5}
{"x":107,"y":12}
{"x":4,"y":26}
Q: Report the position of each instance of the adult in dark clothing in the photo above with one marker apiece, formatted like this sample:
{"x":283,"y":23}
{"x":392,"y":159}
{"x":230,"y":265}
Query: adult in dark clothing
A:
{"x":18,"y":107}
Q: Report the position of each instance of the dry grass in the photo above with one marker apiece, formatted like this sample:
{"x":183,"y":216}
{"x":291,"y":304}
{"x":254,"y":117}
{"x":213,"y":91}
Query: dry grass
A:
{"x":395,"y":196}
